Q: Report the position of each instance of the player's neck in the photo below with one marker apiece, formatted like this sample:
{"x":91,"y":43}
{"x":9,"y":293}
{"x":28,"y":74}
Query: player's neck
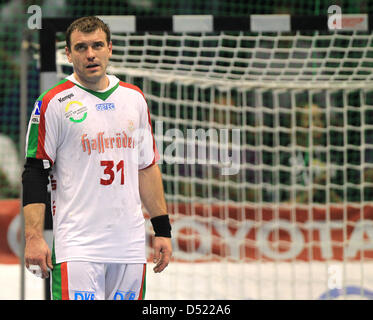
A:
{"x":102,"y":84}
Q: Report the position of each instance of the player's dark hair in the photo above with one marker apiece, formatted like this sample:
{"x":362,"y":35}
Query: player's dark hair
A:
{"x":87,"y":25}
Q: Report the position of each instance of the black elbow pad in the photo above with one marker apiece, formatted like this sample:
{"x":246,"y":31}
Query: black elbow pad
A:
{"x":35,"y":182}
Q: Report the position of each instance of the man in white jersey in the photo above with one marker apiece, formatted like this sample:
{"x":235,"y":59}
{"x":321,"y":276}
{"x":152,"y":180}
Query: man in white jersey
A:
{"x":91,"y":133}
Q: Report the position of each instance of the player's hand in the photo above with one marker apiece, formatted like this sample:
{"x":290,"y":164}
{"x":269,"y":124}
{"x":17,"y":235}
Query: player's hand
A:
{"x":162,"y":253}
{"x":38,"y":253}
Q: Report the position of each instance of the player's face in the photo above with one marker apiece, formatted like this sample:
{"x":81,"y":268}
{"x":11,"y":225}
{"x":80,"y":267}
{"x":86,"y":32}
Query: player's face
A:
{"x":90,"y":55}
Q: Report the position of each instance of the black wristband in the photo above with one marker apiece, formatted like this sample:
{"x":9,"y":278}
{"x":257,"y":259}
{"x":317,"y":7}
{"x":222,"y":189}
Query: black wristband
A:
{"x":161,"y":225}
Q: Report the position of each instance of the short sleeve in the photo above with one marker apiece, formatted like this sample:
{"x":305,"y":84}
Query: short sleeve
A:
{"x":42,"y":132}
{"x":148,"y":152}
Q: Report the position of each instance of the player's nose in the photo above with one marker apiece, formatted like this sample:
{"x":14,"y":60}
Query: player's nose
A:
{"x":90,"y":53}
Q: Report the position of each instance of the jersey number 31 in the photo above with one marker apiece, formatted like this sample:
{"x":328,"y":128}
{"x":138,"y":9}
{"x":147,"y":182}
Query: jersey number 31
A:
{"x":109,"y":165}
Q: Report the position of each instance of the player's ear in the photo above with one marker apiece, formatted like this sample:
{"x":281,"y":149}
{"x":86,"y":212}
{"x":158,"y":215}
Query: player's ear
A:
{"x":110,"y":46}
{"x":68,"y":54}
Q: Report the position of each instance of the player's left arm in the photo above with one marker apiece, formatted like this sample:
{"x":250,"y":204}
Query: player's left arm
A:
{"x":152,"y":196}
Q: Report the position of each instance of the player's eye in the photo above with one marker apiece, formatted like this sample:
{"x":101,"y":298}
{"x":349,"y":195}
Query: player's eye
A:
{"x":98,"y":45}
{"x":80,"y":47}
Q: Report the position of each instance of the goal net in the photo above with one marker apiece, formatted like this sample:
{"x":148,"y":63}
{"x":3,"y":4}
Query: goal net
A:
{"x":266,"y":145}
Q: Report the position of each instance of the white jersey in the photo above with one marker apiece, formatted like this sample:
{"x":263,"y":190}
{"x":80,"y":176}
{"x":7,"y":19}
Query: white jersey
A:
{"x":96,"y":142}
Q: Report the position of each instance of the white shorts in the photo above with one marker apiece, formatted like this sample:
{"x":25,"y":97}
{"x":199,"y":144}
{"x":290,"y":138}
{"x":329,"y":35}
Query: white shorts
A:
{"x":79,"y":280}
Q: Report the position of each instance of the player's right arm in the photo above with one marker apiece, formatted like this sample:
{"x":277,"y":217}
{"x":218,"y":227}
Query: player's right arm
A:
{"x":34,"y":196}
{"x":35,"y":179}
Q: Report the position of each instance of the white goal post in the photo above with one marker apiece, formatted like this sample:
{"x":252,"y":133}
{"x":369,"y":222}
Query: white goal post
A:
{"x":265,"y":132}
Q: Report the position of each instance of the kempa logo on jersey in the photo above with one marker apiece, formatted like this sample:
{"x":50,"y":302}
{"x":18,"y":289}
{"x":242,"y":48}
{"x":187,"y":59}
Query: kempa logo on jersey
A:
{"x":69,"y":96}
{"x":105,"y":106}
{"x":75,"y":111}
{"x":101,"y":143}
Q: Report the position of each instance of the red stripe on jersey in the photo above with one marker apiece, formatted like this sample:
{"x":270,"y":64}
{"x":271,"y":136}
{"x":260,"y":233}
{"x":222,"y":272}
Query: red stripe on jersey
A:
{"x":131,"y":86}
{"x":64,"y":282}
{"x":155,"y":150}
{"x":142,"y":283}
{"x":40,"y":151}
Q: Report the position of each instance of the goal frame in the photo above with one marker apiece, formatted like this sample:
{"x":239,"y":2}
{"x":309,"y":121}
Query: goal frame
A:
{"x":188,"y":23}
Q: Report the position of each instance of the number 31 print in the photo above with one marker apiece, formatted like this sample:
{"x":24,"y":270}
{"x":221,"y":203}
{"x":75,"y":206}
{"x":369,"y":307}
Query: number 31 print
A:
{"x":109,"y":165}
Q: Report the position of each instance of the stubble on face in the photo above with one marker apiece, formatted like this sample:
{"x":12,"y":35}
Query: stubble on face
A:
{"x":89,"y":53}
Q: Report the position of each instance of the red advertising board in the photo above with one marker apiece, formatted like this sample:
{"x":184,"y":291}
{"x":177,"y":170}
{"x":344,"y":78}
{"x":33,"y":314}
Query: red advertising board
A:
{"x":9,"y":209}
{"x":248,"y":233}
{"x":277,"y":233}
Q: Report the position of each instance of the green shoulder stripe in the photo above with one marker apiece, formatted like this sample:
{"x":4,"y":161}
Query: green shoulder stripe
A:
{"x":33,"y":132}
{"x":46,"y":91}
